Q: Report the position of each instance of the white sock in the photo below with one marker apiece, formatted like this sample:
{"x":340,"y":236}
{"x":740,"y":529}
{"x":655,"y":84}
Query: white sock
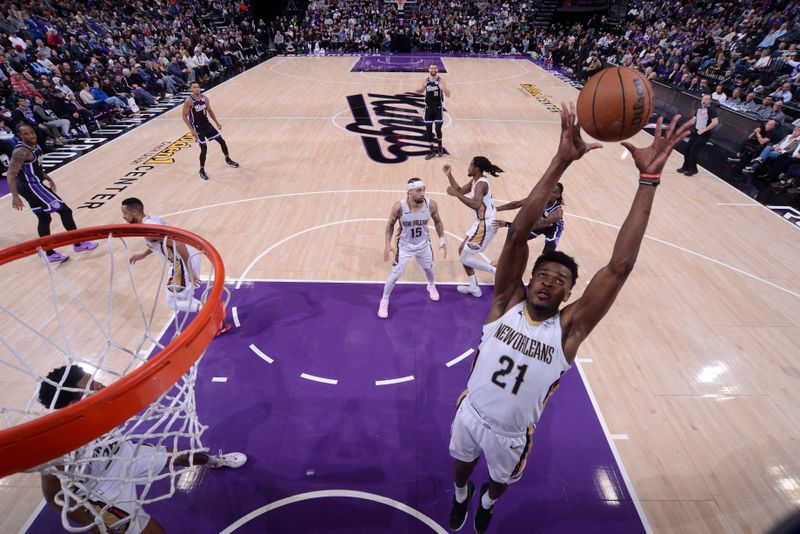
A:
{"x":213,"y":461}
{"x":486,"y":502}
{"x":461,"y":493}
{"x":473,"y":281}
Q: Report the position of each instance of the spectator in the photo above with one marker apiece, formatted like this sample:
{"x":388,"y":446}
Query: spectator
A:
{"x":46,"y":116}
{"x":719,"y":95}
{"x":784,"y":93}
{"x":24,"y":114}
{"x":788,"y":145}
{"x":761,"y":137}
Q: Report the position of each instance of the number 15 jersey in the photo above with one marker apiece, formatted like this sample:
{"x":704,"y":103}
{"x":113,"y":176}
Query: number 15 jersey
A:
{"x":518,"y":367}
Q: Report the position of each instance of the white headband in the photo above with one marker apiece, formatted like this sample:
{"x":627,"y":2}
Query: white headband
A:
{"x":415,"y":184}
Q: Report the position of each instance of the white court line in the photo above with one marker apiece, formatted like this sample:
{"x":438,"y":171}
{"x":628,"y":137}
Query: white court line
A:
{"x":260,"y":354}
{"x":362,"y":80}
{"x":618,"y":437}
{"x":614,"y":451}
{"x":457,"y":359}
{"x":235,"y":314}
{"x":33,"y":516}
{"x":749,"y":204}
{"x":584,"y":360}
{"x":391,"y":381}
{"x":320,"y":281}
{"x":222,"y":379}
{"x":589,"y":219}
{"x":331,"y":381}
{"x":434,"y":526}
{"x":311,"y":229}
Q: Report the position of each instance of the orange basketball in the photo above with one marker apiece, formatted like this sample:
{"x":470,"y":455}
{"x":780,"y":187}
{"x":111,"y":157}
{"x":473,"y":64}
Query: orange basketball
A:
{"x":615,"y":104}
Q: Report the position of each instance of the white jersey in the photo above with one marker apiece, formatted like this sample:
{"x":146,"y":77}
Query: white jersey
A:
{"x":155,"y":246}
{"x":412,"y":231}
{"x":486,"y":211}
{"x":518,"y":367}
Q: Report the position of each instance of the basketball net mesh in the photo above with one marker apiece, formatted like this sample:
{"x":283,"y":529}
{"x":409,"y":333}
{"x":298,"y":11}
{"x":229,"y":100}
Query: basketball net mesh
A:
{"x":133,"y":464}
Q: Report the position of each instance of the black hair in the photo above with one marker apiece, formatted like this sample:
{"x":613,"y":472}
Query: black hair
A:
{"x":560,"y":198}
{"x":556,"y":256}
{"x":133,"y":203}
{"x":484,"y":165}
{"x":20,"y":124}
{"x":63,"y":398}
{"x":414,"y":180}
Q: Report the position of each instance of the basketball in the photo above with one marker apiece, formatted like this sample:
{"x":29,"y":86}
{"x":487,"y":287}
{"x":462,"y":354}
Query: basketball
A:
{"x":615,"y":104}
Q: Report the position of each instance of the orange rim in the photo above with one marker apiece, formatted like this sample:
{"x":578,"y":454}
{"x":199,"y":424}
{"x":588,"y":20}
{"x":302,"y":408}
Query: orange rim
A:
{"x":30,"y":444}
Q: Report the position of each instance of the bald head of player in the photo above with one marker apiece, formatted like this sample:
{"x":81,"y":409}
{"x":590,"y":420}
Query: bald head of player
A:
{"x":433,"y":70}
{"x":416,"y":191}
{"x":133,"y":210}
{"x":553,"y":276}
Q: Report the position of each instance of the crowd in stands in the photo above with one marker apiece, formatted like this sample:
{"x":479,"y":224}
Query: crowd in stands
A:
{"x":67,"y":67}
{"x":742,"y":53}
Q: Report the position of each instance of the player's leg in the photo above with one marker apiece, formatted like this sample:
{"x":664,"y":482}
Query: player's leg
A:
{"x":224,"y":147}
{"x":429,"y":135}
{"x":425,"y":261}
{"x":506,"y":456}
{"x":398,"y":266}
{"x":65,"y":212}
{"x":478,"y":238}
{"x":465,"y":450}
{"x":439,"y":135}
{"x":203,"y":153}
{"x":231,"y":459}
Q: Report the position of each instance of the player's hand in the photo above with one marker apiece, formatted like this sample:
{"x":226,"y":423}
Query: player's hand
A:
{"x":52,"y":184}
{"x":499,"y":224}
{"x":452,"y":191}
{"x":16,"y":203}
{"x":443,"y":248}
{"x":572,"y":147}
{"x":651,"y":159}
{"x":219,"y":126}
{"x":447,"y":169}
{"x":386,"y":254}
{"x":136,"y":257}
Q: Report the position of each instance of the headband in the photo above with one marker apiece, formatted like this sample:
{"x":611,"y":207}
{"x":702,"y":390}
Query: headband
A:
{"x":415,"y":184}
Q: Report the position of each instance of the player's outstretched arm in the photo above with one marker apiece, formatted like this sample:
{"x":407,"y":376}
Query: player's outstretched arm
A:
{"x":448,"y":171}
{"x":508,"y":286}
{"x":513,"y":205}
{"x":580,"y":317}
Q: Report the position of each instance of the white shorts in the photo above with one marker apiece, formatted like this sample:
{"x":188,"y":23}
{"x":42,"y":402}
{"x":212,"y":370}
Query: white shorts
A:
{"x":180,"y":290}
{"x":479,"y":235}
{"x":505,"y":453}
{"x":424,"y":257}
{"x":136,"y":465}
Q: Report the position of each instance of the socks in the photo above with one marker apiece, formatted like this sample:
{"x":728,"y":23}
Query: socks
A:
{"x":461,"y":493}
{"x":486,"y":502}
{"x":213,"y":461}
{"x":429,"y":276}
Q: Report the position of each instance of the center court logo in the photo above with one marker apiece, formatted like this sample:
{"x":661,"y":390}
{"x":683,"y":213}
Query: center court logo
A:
{"x":391,"y":126}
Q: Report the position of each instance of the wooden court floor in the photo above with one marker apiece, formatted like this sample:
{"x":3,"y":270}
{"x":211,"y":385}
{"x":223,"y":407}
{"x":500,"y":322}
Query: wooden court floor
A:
{"x":695,"y":370}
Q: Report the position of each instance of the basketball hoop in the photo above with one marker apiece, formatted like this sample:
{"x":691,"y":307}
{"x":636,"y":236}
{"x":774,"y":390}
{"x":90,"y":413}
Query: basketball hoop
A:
{"x":400,"y":4}
{"x":41,"y":438}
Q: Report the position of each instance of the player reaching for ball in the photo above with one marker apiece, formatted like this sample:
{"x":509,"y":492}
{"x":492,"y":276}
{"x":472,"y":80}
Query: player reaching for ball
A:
{"x":528,"y":342}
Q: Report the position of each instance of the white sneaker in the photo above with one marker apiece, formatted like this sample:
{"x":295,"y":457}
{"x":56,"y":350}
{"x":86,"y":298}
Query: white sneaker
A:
{"x":383,"y":309}
{"x":433,"y":293}
{"x":469,"y":289}
{"x":231,"y":460}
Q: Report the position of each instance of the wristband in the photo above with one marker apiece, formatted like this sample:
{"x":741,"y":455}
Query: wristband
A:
{"x":649,"y":179}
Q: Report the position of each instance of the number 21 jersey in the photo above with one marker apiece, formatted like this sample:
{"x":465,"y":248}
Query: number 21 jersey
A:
{"x":519,"y":365}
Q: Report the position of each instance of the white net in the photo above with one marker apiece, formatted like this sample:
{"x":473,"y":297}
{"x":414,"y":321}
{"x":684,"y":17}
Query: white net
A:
{"x":98,"y":317}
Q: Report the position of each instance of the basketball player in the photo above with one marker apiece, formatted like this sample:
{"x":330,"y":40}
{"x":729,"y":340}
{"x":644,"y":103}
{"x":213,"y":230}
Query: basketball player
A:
{"x":528,"y":343}
{"x":411,"y":240}
{"x":434,"y":90}
{"x":32,"y":185}
{"x":550,"y":225}
{"x":119,"y":469}
{"x":183,"y":271}
{"x":476,"y":194}
{"x":196,"y":110}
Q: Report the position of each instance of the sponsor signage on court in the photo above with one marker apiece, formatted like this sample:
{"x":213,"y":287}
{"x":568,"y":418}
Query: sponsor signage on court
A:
{"x":543,"y":99}
{"x":161,"y":154}
{"x":391,"y":127}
